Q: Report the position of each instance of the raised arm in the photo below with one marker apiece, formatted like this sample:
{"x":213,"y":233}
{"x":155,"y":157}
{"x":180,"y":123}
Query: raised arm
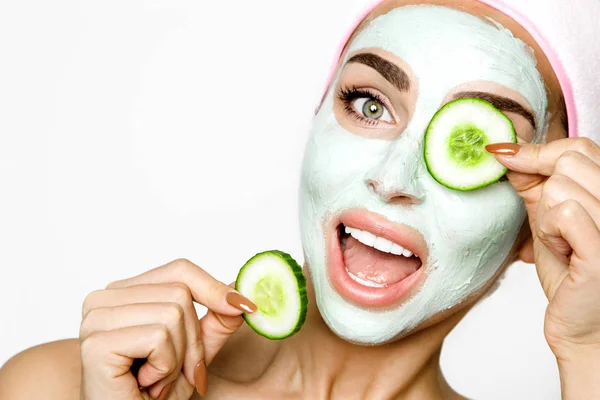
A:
{"x":560,"y":183}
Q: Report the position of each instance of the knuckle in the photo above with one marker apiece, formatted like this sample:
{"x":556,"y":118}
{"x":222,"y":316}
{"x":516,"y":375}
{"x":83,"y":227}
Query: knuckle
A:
{"x":83,"y":331}
{"x":181,"y":294}
{"x":89,"y":324}
{"x":585,"y":146}
{"x":543,"y":228}
{"x":553,"y":189}
{"x":561,"y":215}
{"x":161,"y":335}
{"x":183,"y":266}
{"x":85,"y":326}
{"x":167,"y":364}
{"x":538,"y":229}
{"x":558,"y":180}
{"x":569,"y":209}
{"x":567,"y":162}
{"x":181,"y":263}
{"x":90,"y":301}
{"x":174,"y":313}
{"x":91,"y":345}
{"x":114,"y":285}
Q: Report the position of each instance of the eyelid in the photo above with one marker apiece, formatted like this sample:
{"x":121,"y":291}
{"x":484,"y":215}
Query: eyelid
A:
{"x":348,"y":94}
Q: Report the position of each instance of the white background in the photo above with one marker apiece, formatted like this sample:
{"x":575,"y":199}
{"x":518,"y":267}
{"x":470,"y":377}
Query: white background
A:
{"x":136,"y":132}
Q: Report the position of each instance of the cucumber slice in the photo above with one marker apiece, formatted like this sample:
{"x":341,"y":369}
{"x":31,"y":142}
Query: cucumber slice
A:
{"x":455,"y":142}
{"x":273,"y":280}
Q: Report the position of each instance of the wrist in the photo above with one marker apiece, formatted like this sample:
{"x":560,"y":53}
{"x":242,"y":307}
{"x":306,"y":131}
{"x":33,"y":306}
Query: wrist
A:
{"x":580,"y":374}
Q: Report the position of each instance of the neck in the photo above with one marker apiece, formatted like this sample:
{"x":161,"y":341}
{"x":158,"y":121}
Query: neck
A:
{"x":327,"y":367}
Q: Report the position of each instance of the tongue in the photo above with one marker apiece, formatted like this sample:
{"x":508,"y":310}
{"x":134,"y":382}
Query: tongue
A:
{"x":372,"y":265}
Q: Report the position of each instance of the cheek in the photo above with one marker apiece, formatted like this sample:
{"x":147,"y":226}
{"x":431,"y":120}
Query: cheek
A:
{"x":475,"y":223}
{"x":336,"y":162}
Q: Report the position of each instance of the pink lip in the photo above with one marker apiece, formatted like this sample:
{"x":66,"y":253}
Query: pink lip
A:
{"x":389,"y":296}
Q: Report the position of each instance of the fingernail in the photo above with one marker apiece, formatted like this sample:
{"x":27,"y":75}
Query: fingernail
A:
{"x":200,"y":378}
{"x":240,"y":302}
{"x":504,"y":149}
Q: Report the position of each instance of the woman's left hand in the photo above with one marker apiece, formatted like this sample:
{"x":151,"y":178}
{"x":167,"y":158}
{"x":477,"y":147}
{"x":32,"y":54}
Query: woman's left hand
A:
{"x":560,"y":183}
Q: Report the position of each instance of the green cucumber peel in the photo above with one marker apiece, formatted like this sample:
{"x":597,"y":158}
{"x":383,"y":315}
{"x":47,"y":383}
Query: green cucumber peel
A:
{"x":455,"y":140}
{"x":274,"y":281}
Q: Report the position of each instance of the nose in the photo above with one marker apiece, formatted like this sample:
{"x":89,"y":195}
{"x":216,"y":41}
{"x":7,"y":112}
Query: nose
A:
{"x":393,"y":195}
{"x":400,"y":175}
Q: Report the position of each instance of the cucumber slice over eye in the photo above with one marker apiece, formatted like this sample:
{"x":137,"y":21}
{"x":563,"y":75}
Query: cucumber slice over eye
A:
{"x":455,"y":142}
{"x":273,"y":280}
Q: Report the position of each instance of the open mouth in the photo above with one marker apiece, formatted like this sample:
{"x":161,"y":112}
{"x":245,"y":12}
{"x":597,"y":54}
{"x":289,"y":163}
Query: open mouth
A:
{"x":374,"y":262}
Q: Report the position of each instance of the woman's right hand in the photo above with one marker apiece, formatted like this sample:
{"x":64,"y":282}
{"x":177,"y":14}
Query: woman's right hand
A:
{"x":150,"y":319}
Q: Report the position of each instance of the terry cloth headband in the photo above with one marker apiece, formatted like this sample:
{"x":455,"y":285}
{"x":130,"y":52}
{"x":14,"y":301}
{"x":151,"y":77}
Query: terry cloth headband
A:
{"x":568,"y":33}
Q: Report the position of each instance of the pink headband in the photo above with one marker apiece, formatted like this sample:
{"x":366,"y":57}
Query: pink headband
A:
{"x":569,"y":28}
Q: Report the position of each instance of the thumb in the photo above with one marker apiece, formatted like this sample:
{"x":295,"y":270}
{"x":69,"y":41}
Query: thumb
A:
{"x":216,"y":329}
{"x":529,"y":187}
{"x":526,"y":173}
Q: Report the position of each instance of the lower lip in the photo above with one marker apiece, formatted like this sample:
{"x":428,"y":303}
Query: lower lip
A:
{"x":391,"y":295}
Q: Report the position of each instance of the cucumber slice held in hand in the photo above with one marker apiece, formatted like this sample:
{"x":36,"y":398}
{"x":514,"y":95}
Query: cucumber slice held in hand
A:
{"x":273,"y":281}
{"x":455,"y":142}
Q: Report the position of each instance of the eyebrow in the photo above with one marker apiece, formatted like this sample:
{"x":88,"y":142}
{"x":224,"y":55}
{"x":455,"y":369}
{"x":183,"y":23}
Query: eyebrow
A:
{"x":390,"y":71}
{"x":501,"y":103}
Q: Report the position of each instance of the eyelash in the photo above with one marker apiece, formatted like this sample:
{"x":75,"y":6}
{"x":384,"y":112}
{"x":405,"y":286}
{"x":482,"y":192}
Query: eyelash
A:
{"x":348,"y":94}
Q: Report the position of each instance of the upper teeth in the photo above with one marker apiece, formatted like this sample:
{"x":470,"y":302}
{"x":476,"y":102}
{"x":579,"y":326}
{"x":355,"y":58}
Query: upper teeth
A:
{"x":381,"y":244}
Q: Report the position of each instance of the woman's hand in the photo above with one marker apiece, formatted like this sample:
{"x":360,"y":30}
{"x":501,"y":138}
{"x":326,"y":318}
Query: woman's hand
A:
{"x":560,"y":183}
{"x":149,"y":322}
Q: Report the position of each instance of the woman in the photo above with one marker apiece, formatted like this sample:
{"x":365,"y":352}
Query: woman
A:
{"x":376,"y":321}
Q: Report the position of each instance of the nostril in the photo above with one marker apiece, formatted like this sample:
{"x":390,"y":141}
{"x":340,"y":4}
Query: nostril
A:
{"x":373,"y":185}
{"x":403,"y":198}
{"x":392,"y":195}
{"x":377,"y":188}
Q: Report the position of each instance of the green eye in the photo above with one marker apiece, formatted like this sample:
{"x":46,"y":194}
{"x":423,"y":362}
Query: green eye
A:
{"x":373,"y":109}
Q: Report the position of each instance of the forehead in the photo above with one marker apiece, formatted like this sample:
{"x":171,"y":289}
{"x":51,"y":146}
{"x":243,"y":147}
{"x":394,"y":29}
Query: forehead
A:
{"x":445,"y":48}
{"x":428,"y":32}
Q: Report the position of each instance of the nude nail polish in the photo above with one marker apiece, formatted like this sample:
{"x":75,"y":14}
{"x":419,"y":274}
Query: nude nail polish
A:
{"x":200,"y":378}
{"x":240,"y":302}
{"x":504,"y":149}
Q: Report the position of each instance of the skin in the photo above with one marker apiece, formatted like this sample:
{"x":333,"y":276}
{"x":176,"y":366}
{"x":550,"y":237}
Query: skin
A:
{"x":151,"y":316}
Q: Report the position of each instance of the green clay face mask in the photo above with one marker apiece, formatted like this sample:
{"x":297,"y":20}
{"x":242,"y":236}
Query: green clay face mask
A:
{"x":468,"y":235}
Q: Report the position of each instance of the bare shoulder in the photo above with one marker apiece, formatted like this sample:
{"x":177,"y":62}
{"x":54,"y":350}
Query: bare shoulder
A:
{"x":52,"y":369}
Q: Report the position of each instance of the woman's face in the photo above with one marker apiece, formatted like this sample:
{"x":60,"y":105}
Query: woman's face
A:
{"x":389,"y":248}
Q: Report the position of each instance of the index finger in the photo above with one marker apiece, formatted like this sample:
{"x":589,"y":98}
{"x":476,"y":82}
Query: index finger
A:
{"x":204,"y":288}
{"x":541,"y":159}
